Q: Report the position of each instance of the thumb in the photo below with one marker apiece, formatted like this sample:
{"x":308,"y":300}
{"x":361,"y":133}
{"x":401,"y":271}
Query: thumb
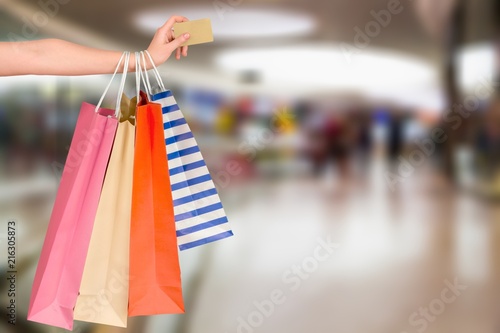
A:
{"x":179,"y":41}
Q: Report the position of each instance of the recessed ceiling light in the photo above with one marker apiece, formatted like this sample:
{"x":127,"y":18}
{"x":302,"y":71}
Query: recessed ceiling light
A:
{"x":476,"y":63}
{"x":374,"y":72}
{"x":234,"y":23}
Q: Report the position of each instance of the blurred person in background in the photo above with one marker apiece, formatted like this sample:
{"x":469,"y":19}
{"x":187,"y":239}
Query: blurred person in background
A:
{"x":364,"y":140}
{"x":488,"y":142}
{"x":58,"y":57}
{"x":395,"y":137}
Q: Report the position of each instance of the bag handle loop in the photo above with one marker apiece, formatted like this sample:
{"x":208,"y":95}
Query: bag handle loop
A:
{"x":155,"y":72}
{"x":125,"y":58}
{"x":138,"y":76}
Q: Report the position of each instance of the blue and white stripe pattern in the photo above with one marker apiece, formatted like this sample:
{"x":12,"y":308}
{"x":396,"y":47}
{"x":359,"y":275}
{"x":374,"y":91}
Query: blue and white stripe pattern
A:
{"x":199,"y":215}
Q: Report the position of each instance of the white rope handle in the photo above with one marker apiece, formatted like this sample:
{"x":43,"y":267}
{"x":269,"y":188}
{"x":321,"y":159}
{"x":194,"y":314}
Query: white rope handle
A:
{"x":138,"y":75}
{"x":109,"y":84}
{"x":145,"y":73}
{"x":155,"y":71}
{"x":122,"y":85}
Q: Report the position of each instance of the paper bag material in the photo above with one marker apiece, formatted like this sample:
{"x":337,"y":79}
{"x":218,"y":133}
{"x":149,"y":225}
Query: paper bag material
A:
{"x":103,"y":297}
{"x":155,"y":277}
{"x":199,"y":214}
{"x":60,"y":268}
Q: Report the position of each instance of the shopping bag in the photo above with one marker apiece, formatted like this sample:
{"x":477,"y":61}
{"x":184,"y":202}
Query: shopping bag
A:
{"x":103,"y":296}
{"x":60,"y":268}
{"x":155,"y":278}
{"x":199,"y":214}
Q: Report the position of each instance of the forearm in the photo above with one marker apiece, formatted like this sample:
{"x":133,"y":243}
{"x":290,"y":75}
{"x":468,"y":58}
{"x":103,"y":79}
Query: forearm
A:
{"x":57,"y":57}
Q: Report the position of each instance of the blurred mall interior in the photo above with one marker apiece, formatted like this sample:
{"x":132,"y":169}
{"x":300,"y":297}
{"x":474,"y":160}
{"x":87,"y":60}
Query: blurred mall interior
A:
{"x":373,"y":124}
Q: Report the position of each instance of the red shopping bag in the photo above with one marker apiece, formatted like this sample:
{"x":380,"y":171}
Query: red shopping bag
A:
{"x":155,"y":278}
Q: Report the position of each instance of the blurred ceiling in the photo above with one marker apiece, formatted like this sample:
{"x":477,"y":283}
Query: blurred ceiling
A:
{"x":410,"y":39}
{"x":114,"y":20}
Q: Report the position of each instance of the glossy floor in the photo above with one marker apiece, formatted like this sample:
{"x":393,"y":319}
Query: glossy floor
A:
{"x":424,"y":258}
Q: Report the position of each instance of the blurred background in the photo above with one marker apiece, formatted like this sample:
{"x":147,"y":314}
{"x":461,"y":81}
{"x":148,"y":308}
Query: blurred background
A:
{"x":371,"y":124}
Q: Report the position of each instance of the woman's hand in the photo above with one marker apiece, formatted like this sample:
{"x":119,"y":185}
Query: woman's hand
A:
{"x":164,"y":43}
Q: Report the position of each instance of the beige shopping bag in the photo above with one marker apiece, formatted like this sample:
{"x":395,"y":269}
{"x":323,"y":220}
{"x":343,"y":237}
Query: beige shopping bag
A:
{"x":104,"y":289}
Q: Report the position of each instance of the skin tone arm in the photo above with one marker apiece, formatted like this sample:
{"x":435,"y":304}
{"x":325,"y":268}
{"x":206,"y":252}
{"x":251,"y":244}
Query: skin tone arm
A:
{"x":58,"y":57}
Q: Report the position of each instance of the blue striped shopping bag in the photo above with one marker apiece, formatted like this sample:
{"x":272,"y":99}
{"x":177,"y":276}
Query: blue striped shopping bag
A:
{"x":199,"y":215}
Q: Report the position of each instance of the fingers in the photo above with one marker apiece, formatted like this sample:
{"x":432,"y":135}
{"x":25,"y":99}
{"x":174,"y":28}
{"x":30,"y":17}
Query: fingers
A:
{"x":165,"y":35}
{"x":176,"y":43}
{"x":184,"y":50}
{"x":181,"y":51}
{"x":167,"y":27}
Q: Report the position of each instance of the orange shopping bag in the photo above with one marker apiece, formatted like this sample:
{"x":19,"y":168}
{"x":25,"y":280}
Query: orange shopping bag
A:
{"x":155,"y":277}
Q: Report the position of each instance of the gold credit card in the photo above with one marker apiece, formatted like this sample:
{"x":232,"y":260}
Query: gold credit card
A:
{"x":200,"y":31}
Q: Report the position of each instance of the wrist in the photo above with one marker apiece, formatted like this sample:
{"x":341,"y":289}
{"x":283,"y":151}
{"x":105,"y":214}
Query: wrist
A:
{"x":131,"y":64}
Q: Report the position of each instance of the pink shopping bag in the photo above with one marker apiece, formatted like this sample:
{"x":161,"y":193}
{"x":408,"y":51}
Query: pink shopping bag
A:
{"x":60,"y":268}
